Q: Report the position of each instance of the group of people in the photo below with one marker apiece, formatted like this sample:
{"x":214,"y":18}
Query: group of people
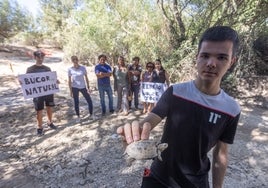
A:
{"x":199,"y":114}
{"x":127,"y":80}
{"x":154,"y":73}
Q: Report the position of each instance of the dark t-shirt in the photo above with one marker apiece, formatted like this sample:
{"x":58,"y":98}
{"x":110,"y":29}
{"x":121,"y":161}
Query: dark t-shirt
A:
{"x":160,"y":77}
{"x":133,"y":78}
{"x":105,"y":68}
{"x":36,"y":69}
{"x":194,"y":124}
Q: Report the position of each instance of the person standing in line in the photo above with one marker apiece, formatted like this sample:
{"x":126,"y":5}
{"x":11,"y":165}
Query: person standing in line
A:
{"x":160,"y":75}
{"x":40,"y":102}
{"x":121,"y":85}
{"x":78,"y":82}
{"x":103,"y":72}
{"x":134,"y":75}
{"x":200,"y":116}
{"x":147,"y":76}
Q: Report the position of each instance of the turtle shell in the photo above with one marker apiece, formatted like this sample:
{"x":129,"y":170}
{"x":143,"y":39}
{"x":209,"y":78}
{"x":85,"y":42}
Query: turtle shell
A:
{"x":145,"y":149}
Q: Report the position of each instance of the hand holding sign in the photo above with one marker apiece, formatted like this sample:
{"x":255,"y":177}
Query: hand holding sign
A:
{"x":38,"y":84}
{"x":151,"y":92}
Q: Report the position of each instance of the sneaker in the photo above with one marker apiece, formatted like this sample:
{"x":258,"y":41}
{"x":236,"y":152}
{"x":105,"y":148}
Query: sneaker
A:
{"x":111,"y":111}
{"x":52,"y":126}
{"x":77,"y":120}
{"x":125,"y":113}
{"x":119,"y":110}
{"x":40,"y":132}
{"x":94,"y":117}
{"x":89,"y":116}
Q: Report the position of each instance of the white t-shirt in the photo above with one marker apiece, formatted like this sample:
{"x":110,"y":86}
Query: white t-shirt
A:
{"x":77,"y":76}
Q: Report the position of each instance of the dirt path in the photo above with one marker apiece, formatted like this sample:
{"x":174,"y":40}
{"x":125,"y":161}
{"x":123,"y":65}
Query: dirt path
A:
{"x":89,"y":154}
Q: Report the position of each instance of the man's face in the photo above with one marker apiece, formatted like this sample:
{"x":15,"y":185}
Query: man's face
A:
{"x":157,"y":65}
{"x":75,"y":61}
{"x":214,"y":59}
{"x":135,"y":62}
{"x":39,"y":59}
{"x":102,"y":60}
{"x":121,"y":61}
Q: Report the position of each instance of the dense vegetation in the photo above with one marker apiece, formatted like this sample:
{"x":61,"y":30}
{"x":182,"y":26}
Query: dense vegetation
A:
{"x":12,"y":19}
{"x":166,"y":29}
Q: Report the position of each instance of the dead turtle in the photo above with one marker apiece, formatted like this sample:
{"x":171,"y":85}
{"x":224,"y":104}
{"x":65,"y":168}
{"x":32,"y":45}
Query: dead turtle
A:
{"x":145,"y":149}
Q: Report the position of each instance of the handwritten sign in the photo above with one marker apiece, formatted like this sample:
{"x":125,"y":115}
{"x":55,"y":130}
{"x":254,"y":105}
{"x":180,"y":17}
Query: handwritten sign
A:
{"x":151,"y":92}
{"x":38,"y":84}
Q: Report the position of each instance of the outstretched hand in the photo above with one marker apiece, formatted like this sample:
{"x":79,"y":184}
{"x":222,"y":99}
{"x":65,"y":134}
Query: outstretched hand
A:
{"x":134,"y":131}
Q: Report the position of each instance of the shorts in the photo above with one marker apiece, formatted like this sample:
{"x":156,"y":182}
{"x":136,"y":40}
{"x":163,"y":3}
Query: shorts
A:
{"x":39,"y":102}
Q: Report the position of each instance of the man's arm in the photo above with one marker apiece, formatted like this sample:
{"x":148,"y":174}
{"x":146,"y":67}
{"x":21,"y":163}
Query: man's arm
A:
{"x":129,"y":74}
{"x":136,"y":72}
{"x":115,"y":79}
{"x":87,"y":81}
{"x":219,"y":163}
{"x":103,"y":74}
{"x":167,"y":78}
{"x":151,"y":118}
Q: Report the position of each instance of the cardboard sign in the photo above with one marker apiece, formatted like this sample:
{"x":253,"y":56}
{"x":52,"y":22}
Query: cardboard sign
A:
{"x":151,"y":92}
{"x":38,"y":84}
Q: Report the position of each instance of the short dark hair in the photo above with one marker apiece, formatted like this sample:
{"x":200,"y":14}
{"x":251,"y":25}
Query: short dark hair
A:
{"x":150,"y":64}
{"x":74,"y":57}
{"x":102,"y":55}
{"x":39,"y":53}
{"x":159,"y":60}
{"x":220,"y":33}
{"x":121,"y":57}
{"x":136,"y":59}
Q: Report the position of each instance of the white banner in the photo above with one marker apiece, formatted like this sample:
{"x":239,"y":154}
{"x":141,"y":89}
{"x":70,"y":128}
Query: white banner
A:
{"x":151,"y":92}
{"x":38,"y":84}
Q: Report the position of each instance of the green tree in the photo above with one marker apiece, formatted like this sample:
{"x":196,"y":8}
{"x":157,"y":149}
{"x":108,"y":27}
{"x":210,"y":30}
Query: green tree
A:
{"x":130,"y":28}
{"x":53,"y":19}
{"x":12,"y":19}
{"x":187,"y":19}
{"x":152,"y":29}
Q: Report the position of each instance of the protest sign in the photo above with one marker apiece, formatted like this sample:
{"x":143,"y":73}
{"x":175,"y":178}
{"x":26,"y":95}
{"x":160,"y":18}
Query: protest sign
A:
{"x":151,"y":92}
{"x":38,"y":84}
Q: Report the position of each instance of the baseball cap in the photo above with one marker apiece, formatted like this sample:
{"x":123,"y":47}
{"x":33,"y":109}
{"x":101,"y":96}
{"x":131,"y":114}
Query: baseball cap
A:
{"x":39,"y":53}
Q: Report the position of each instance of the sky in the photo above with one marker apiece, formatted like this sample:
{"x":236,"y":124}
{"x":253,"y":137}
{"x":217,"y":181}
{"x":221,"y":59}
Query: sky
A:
{"x":31,"y":5}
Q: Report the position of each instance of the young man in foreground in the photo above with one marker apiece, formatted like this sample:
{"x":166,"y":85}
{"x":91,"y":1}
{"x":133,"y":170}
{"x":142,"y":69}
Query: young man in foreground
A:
{"x":199,"y":116}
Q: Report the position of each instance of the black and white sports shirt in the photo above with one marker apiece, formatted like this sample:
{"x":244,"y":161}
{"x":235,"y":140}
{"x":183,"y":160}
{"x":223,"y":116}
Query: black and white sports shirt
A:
{"x":194,"y":123}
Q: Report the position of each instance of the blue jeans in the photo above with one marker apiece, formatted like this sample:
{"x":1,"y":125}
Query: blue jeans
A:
{"x":76,"y":99}
{"x":108,"y":90}
{"x":135,"y":89}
